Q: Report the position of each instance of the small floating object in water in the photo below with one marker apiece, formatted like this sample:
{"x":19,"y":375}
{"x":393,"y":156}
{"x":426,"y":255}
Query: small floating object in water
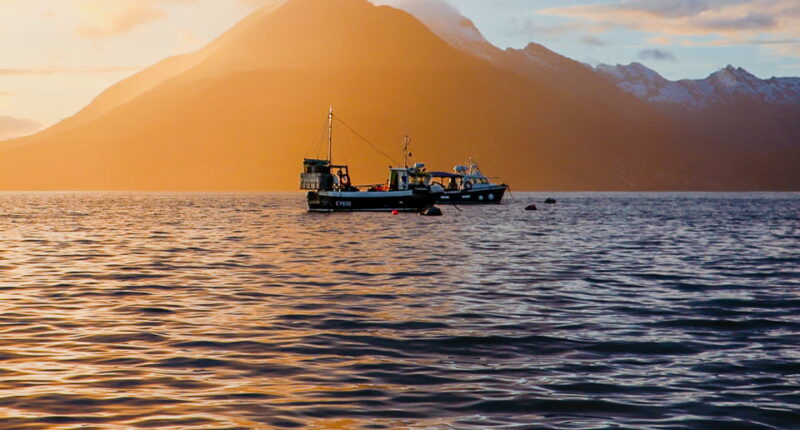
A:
{"x":395,"y":212}
{"x":432,"y":211}
{"x":550,"y":201}
{"x":531,"y":207}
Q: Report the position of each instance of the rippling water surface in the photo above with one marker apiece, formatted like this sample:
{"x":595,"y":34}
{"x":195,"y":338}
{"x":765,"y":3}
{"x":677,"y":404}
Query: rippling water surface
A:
{"x":640,"y":311}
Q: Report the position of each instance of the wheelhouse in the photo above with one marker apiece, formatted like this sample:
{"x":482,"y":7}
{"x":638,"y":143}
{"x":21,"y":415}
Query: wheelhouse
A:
{"x":402,"y":178}
{"x":467,"y":184}
{"x":321,"y":175}
{"x":449,"y":181}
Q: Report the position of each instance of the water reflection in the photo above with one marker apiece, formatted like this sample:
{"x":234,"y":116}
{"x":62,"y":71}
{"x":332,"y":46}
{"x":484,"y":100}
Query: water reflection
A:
{"x":244,"y":311}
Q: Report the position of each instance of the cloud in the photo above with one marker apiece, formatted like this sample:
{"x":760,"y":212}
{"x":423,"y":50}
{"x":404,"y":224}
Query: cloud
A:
{"x":260,"y":3}
{"x":592,"y":41}
{"x":440,"y":16}
{"x":660,"y":40}
{"x":5,"y":93}
{"x":104,"y":18}
{"x":11,"y":127}
{"x":671,"y":9}
{"x":526,"y":27}
{"x":730,"y":22}
{"x":656,"y":54}
{"x":51,"y":70}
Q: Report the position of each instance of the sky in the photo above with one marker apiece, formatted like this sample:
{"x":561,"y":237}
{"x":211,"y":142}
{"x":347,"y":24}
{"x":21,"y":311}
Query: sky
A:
{"x":57,"y":55}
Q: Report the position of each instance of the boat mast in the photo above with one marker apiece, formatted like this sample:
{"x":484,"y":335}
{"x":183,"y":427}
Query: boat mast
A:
{"x":330,"y":135}
{"x":406,"y":155}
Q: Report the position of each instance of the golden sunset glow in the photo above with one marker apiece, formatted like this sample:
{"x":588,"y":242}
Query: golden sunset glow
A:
{"x":399,"y":214}
{"x":238,"y":111}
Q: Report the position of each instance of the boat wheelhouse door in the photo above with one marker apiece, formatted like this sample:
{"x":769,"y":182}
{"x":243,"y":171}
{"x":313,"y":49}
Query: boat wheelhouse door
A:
{"x":398,"y":180}
{"x":316,"y":175}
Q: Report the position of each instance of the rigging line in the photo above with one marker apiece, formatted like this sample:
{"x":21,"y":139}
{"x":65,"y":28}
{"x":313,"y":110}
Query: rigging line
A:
{"x":365,"y":140}
{"x":320,"y":148}
{"x":316,"y":146}
{"x":321,"y":139}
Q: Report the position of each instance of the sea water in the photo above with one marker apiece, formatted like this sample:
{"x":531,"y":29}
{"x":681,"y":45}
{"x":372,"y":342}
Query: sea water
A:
{"x":194,"y":311}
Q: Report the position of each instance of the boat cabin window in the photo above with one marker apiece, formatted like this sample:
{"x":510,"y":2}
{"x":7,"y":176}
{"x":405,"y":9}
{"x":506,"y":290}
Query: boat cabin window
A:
{"x":316,"y":166}
{"x":418,"y":179}
{"x":453,"y":184}
{"x":342,"y":179}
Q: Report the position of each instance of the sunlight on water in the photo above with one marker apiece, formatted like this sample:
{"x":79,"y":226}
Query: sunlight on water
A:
{"x":239,"y":311}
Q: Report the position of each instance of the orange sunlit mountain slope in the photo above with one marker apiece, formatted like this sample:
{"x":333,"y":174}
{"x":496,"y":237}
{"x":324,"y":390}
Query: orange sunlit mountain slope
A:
{"x":243,"y":112}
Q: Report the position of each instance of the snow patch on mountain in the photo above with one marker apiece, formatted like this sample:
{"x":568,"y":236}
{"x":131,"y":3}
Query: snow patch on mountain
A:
{"x":720,"y":86}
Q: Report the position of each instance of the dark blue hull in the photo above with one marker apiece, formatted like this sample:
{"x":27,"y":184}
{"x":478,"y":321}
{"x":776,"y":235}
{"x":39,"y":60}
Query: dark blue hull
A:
{"x":483,"y":196}
{"x":381,"y":201}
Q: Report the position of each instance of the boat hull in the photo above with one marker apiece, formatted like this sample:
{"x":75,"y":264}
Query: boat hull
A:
{"x":475,"y":196}
{"x":378,"y":201}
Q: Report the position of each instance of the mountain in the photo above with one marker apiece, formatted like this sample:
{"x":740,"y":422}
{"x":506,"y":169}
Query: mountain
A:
{"x":142,"y":82}
{"x":445,"y":20}
{"x":11,"y":127}
{"x":534,"y":61}
{"x":726,"y":85}
{"x":730,"y":110}
{"x":241,"y":114}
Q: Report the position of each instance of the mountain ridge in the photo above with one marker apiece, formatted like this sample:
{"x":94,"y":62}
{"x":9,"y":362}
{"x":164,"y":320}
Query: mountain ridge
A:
{"x":727,"y":82}
{"x":241,"y":117}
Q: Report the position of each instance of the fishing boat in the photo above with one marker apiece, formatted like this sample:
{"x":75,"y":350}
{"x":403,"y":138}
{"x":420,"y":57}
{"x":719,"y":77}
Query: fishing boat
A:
{"x":468,"y":185}
{"x":330,"y":188}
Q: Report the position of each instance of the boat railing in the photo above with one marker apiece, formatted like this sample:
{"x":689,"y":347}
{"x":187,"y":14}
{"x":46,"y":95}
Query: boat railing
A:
{"x":368,"y":187}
